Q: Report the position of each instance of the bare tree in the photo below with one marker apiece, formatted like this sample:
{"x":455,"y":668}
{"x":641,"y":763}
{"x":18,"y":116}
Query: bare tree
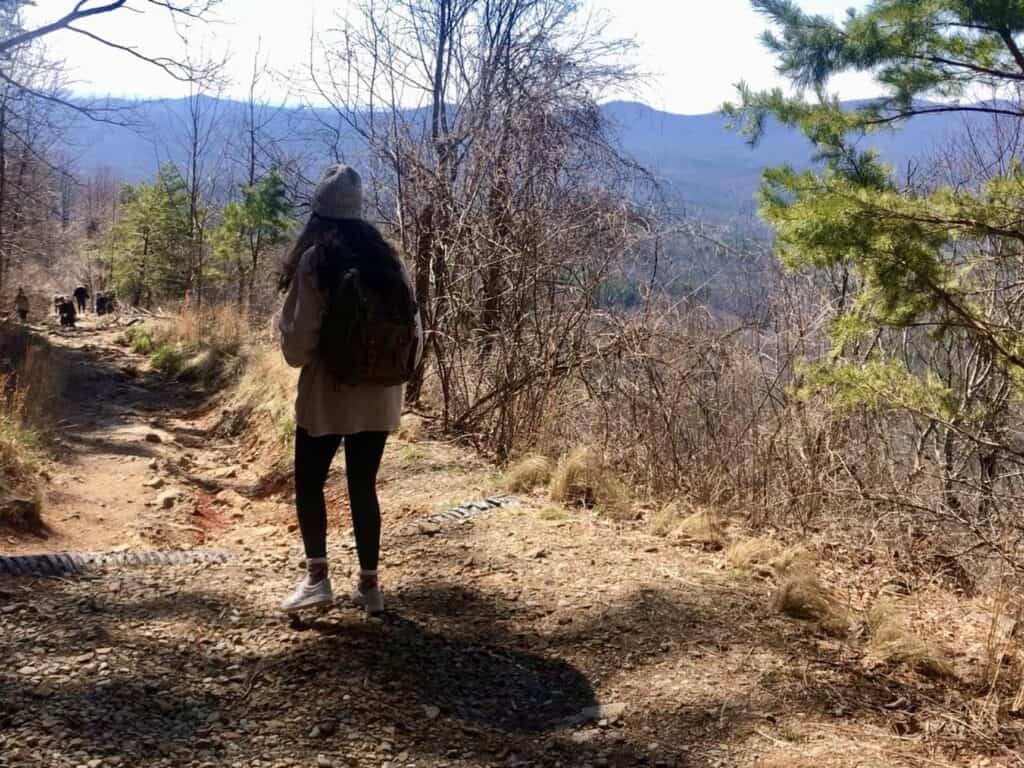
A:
{"x":491,"y":165}
{"x":16,"y":37}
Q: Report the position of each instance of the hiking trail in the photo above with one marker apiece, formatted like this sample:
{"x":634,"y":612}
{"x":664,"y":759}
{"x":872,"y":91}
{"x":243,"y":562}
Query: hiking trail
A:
{"x":512,"y":639}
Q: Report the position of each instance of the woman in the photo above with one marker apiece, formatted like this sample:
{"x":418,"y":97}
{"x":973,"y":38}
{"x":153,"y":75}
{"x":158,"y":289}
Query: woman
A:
{"x":328,"y":411}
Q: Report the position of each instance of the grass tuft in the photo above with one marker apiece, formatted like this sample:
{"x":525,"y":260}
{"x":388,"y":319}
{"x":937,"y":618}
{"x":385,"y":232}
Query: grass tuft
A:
{"x":894,"y":641}
{"x":527,"y":474}
{"x":753,"y":555}
{"x":803,"y":596}
{"x":583,"y":478}
{"x":553,"y":514}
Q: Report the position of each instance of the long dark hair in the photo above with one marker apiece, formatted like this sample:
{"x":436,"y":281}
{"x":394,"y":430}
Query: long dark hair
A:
{"x":342,"y":243}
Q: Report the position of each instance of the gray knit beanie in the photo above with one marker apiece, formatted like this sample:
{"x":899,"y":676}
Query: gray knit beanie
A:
{"x":339,"y":195}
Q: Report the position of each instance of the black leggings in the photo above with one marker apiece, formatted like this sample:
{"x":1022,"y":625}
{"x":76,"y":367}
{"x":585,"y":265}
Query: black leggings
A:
{"x":313,"y":457}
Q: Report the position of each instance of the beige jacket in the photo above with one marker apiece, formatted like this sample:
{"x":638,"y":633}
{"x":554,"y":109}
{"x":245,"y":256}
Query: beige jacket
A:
{"x":325,"y":406}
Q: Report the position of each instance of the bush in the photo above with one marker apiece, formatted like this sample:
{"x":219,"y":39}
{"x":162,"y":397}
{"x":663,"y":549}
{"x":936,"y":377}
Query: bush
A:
{"x":168,"y":360}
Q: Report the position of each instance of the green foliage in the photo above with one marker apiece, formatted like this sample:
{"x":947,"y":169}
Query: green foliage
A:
{"x":140,"y":340}
{"x":936,"y":259}
{"x":168,"y":360}
{"x":147,"y":248}
{"x":878,"y":385}
{"x":257,"y":223}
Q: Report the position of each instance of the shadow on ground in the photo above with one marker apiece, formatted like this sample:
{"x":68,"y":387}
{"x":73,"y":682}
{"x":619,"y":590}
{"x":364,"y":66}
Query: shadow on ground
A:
{"x":451,"y":674}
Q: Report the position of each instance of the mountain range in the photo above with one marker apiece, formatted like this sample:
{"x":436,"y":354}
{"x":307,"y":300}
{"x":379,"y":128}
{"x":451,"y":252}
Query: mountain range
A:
{"x":706,"y":168}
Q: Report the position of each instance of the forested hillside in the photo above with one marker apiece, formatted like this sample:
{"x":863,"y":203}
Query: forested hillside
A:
{"x":708,"y":171}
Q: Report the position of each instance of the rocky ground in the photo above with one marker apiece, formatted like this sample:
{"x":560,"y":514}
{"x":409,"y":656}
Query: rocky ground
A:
{"x":524,"y":637}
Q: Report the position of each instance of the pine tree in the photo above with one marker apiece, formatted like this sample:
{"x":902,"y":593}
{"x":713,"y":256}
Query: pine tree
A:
{"x":945,"y":259}
{"x":252,"y":227}
{"x":147,"y":249}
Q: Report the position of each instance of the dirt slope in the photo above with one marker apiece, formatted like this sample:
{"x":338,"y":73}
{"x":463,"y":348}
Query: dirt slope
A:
{"x":518,"y":639}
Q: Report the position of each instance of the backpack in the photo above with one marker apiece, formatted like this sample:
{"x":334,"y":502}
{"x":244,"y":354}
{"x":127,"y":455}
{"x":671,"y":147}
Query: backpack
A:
{"x":370,"y":335}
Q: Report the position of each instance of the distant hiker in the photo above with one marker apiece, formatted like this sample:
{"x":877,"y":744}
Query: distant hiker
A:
{"x":21,"y":305}
{"x":350,"y":321}
{"x":81,"y":295}
{"x":101,"y":304}
{"x":67,"y":313}
{"x":57,"y":301}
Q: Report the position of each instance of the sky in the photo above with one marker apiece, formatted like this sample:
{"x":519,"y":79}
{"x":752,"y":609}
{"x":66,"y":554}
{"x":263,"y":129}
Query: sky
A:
{"x":694,"y":51}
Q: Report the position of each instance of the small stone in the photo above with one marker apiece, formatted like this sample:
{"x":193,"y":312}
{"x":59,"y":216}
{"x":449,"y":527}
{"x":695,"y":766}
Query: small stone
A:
{"x":155,"y":483}
{"x":153,"y":437}
{"x":153,"y":464}
{"x":322,"y":761}
{"x":167,"y":499}
{"x":315,"y":732}
{"x":429,"y":529}
{"x":327,"y":727}
{"x":431,"y":712}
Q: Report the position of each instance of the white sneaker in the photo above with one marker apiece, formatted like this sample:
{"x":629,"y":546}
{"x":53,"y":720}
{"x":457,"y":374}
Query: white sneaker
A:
{"x":371,"y":599}
{"x":308,"y":595}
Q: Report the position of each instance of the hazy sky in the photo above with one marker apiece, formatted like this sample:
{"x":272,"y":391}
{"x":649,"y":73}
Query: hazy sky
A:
{"x":694,"y":49}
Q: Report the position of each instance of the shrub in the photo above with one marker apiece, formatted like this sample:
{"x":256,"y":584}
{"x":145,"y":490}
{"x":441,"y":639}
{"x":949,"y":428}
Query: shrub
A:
{"x":168,"y":360}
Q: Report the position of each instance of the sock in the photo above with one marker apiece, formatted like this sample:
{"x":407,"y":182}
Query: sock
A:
{"x":316,"y":567}
{"x":367,"y":578}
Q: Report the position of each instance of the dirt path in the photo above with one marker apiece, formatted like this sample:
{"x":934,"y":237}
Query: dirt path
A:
{"x":127,"y":442}
{"x":522,"y":638}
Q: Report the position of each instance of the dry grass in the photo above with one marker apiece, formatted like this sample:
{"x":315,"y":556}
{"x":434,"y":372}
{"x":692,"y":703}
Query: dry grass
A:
{"x":222,"y":327}
{"x":527,"y":474}
{"x":893,"y":641}
{"x":31,"y":382}
{"x":754,"y":554}
{"x":584,"y":478}
{"x":412,"y":428}
{"x":263,"y":396}
{"x":793,"y":561}
{"x":702,"y":527}
{"x":803,"y":596}
{"x":552,"y":514}
{"x":686,"y":525}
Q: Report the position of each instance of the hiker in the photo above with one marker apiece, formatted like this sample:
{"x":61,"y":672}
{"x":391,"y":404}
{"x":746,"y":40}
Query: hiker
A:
{"x":351,"y":323}
{"x":101,"y":304}
{"x":21,"y":304}
{"x":67,"y":313}
{"x":81,"y":294}
{"x":57,"y":301}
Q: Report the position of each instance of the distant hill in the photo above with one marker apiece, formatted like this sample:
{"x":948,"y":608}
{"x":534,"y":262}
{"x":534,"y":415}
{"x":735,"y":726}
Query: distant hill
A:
{"x":706,"y":168}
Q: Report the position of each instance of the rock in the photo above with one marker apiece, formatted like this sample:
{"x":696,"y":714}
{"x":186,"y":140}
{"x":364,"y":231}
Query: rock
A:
{"x":153,"y":464}
{"x":153,"y":437}
{"x":232,"y":498}
{"x":609,"y":712}
{"x":431,"y":712}
{"x":327,"y":727}
{"x":156,"y":482}
{"x":315,"y":733}
{"x":167,"y":499}
{"x":322,"y":761}
{"x":428,"y":529}
{"x":226,"y":473}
